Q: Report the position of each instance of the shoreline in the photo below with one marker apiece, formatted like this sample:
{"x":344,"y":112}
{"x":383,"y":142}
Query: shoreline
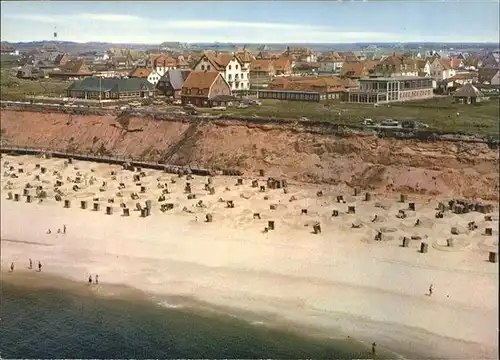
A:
{"x":33,"y":280}
{"x":339,"y":282}
{"x":54,"y":281}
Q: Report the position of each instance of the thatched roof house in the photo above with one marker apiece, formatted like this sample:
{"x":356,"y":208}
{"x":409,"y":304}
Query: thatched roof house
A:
{"x":468,"y":94}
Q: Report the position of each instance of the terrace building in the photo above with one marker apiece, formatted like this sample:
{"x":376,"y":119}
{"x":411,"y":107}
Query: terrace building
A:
{"x":111,"y":89}
{"x":312,"y":89}
{"x":390,"y":89}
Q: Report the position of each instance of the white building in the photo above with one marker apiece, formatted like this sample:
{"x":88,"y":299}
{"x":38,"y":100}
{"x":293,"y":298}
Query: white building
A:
{"x":495,"y":80}
{"x":440,"y":70}
{"x":236,"y":73}
{"x":155,"y":76}
{"x":427,"y":69}
{"x":330,"y":66}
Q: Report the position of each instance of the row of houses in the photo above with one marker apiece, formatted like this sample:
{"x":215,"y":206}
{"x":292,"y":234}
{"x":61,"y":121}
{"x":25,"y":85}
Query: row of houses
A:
{"x":210,"y":88}
{"x":246,"y":70}
{"x":199,"y":88}
{"x":392,"y":78}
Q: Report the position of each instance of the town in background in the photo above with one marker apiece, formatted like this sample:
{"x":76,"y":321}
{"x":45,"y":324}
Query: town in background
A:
{"x":428,"y":84}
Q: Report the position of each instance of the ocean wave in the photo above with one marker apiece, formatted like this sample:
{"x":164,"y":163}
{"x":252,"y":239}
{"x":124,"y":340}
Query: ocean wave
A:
{"x":257,"y":323}
{"x":168,"y":305}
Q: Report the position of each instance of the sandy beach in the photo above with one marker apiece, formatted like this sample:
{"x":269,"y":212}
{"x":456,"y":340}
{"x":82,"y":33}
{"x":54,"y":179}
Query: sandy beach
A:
{"x":340,"y":282}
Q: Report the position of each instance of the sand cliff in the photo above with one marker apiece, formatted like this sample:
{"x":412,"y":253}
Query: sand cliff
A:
{"x":383,"y":164}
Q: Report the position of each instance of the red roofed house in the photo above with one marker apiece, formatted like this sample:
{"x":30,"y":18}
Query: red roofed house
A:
{"x":283,"y":66}
{"x":205,"y":89}
{"x":441,"y":69}
{"x":150,"y":74}
{"x":230,"y":66}
{"x":457,"y":62}
{"x":354,"y":70}
{"x":72,"y":70}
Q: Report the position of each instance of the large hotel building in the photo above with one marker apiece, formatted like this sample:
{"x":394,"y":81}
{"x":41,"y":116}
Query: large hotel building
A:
{"x":390,"y":89}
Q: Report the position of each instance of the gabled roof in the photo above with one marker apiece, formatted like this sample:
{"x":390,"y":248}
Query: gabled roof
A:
{"x":176,"y":77}
{"x":444,"y":63}
{"x":331,"y":56}
{"x":468,"y":90}
{"x":472,"y":60}
{"x":262,"y":65}
{"x":200,"y":80}
{"x":140,"y":72}
{"x":486,"y":74}
{"x":348,"y":56}
{"x":181,"y":61}
{"x":282,"y":64}
{"x":76,"y":67}
{"x":245,"y":56}
{"x":421,"y":64}
{"x":456,"y":61}
{"x":268,"y":55}
{"x":220,"y":60}
{"x":352,"y":69}
{"x":59,"y":60}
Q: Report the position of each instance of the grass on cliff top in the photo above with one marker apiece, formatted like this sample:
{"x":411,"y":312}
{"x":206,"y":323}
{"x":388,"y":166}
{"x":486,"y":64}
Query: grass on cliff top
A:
{"x":12,"y":88}
{"x":439,"y":113}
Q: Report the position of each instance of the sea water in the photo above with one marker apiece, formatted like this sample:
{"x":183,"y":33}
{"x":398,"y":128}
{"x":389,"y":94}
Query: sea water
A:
{"x":54,"y":323}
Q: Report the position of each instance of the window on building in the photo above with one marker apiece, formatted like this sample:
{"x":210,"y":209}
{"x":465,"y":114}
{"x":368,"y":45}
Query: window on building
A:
{"x":236,"y":67}
{"x":208,"y":67}
{"x":229,"y":67}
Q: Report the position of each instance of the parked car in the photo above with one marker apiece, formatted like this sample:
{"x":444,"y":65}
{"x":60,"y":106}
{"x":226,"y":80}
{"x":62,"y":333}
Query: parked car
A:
{"x":390,"y":122}
{"x":189,"y":107}
{"x":220,"y":108}
{"x":242,"y":106}
{"x":368,"y":122}
{"x":255,"y":102}
{"x":177,"y":102}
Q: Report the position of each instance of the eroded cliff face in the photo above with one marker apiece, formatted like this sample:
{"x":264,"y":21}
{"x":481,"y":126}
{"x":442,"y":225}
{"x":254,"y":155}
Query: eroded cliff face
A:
{"x":438,"y":167}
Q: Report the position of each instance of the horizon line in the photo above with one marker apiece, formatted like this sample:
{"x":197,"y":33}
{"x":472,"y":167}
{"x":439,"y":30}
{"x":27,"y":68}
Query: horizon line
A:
{"x":253,"y":43}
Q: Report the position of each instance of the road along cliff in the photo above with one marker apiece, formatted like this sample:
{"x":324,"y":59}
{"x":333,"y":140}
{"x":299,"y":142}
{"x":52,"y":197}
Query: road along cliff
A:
{"x":437,"y":167}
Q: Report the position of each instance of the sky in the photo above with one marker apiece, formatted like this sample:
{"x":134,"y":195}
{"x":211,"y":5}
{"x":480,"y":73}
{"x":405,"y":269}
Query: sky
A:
{"x":144,"y":22}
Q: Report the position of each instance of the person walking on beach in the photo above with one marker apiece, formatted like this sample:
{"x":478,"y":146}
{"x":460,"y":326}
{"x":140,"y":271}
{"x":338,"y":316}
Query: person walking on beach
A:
{"x":97,"y":279}
{"x":49,"y":232}
{"x":373,"y":348}
{"x":12,"y":267}
{"x":39,"y":266}
{"x":90,"y":279}
{"x":31,"y":264}
{"x":64,"y":229}
{"x":431,"y":288}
